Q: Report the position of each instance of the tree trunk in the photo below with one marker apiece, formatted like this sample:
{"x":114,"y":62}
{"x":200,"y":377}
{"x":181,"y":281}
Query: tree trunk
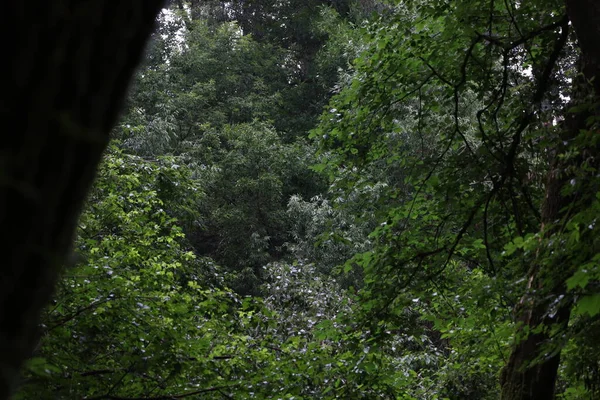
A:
{"x":66,"y":69}
{"x":523,"y":379}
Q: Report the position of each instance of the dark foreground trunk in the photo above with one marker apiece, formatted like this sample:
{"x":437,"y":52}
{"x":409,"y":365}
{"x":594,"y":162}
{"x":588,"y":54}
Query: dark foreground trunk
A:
{"x":522,"y":379}
{"x":66,"y":67}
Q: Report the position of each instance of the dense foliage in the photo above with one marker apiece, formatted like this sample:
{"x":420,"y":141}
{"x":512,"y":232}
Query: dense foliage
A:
{"x":341,"y":199}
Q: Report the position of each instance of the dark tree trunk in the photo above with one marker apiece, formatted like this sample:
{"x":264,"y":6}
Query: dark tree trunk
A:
{"x":522,"y":379}
{"x":65,"y":70}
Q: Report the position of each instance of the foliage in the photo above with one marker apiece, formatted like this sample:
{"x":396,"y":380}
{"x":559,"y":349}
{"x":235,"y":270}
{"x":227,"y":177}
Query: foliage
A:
{"x":218,"y":77}
{"x":226,"y":125}
{"x":133,"y":318}
{"x":442,"y":101}
{"x":397,"y":255}
{"x":248,"y":181}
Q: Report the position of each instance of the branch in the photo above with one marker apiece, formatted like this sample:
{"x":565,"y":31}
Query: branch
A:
{"x":164,"y":397}
{"x":77,"y":313}
{"x":524,"y":38}
{"x":97,"y":372}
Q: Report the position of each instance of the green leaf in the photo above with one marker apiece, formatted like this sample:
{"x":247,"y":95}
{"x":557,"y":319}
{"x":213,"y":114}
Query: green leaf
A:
{"x":579,"y":279}
{"x":588,"y":305}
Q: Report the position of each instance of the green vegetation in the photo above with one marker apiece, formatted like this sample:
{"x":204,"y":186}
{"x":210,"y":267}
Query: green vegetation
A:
{"x":342,"y":199}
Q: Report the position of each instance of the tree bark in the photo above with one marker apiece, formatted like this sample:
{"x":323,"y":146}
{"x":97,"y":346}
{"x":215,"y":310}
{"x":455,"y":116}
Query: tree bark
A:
{"x":65,"y":70}
{"x":530,"y":374}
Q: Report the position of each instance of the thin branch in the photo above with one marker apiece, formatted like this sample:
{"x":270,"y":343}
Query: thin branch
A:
{"x":97,"y":372}
{"x":163,"y":397}
{"x":77,"y":313}
{"x":485,"y":235}
{"x":501,"y":42}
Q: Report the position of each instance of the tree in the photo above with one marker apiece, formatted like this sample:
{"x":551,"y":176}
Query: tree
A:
{"x":227,"y":105}
{"x":466,"y":138}
{"x":248,"y":179}
{"x":563,"y":210}
{"x":463,"y":104}
{"x":135,"y":317}
{"x":66,"y":73}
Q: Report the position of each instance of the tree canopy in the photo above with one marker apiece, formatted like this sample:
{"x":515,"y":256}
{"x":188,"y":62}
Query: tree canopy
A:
{"x":306,"y":199}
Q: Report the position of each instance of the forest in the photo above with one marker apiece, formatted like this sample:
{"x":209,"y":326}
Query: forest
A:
{"x":339,"y":199}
